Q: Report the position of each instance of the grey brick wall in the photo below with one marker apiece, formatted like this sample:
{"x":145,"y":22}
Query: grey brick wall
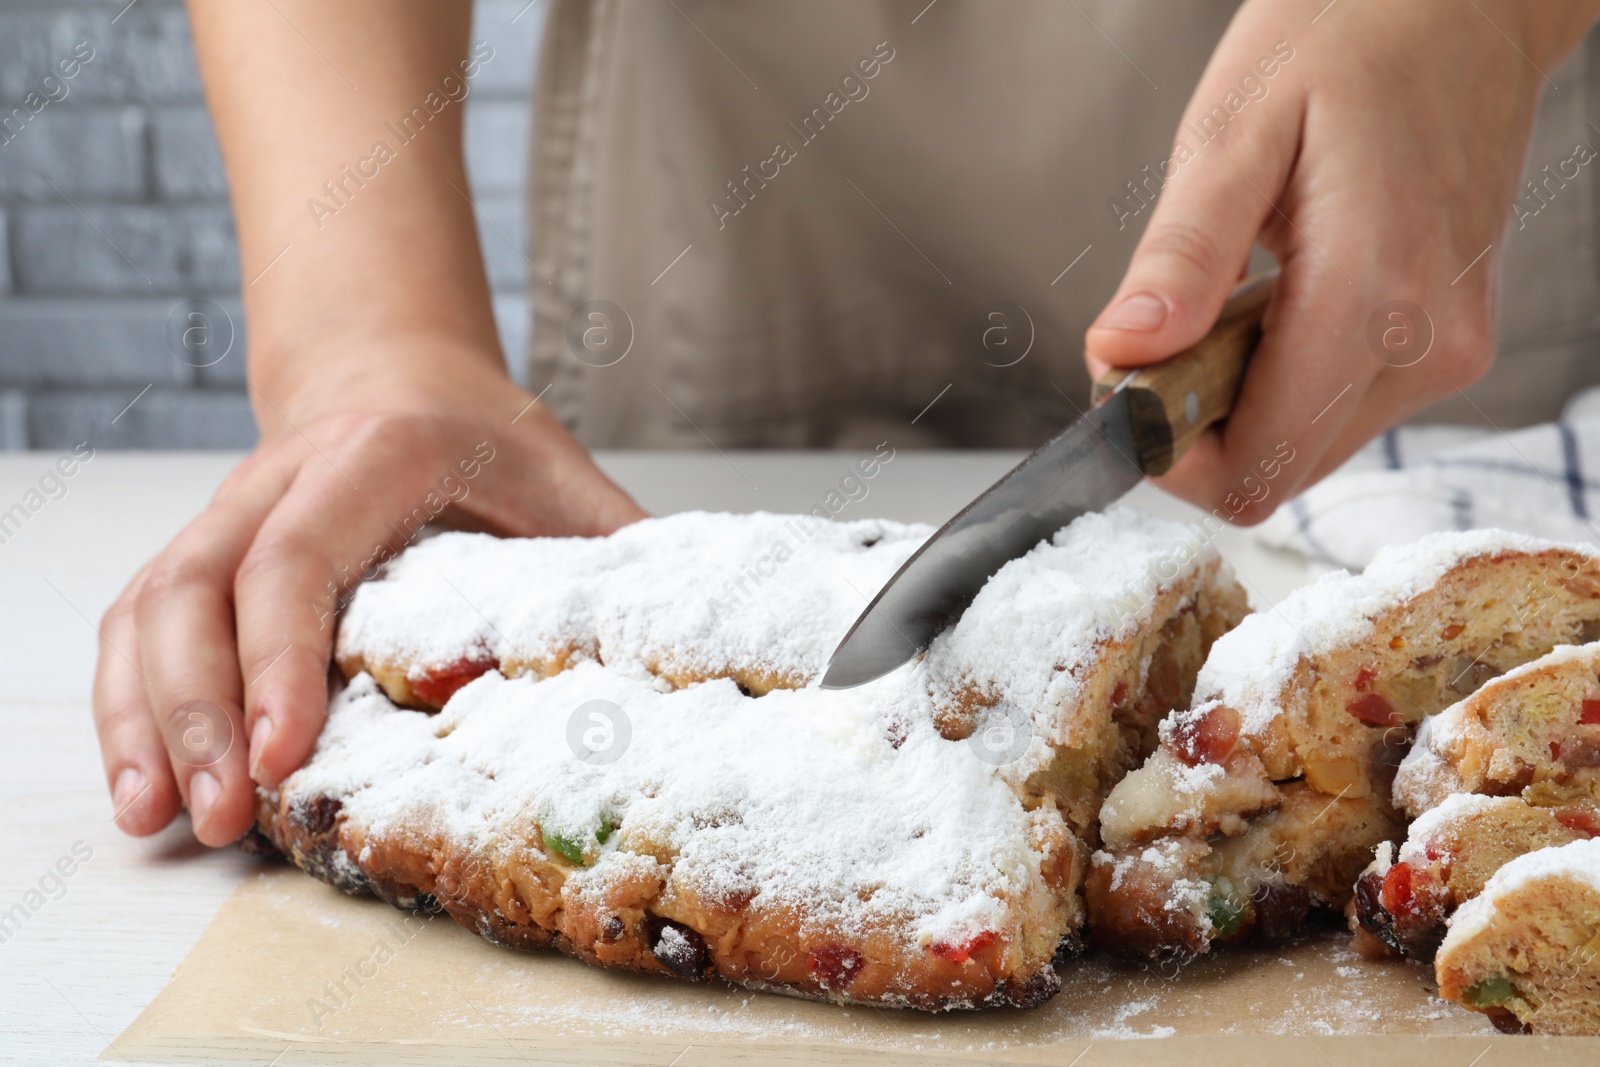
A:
{"x":114,"y":218}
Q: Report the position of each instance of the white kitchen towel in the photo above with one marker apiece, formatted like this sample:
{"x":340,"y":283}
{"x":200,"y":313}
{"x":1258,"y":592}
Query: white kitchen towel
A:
{"x":1542,"y":480}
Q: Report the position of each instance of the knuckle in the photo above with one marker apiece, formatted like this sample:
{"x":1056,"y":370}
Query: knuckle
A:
{"x":246,"y":471}
{"x":1466,"y":352}
{"x":362,"y":432}
{"x":1188,"y":245}
{"x":121,"y":717}
{"x":168,"y":576}
{"x":271,"y":554}
{"x":1471,"y":349}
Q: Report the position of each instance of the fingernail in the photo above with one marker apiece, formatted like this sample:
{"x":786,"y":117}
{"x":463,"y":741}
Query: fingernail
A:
{"x":126,"y":791}
{"x":1140,"y":312}
{"x":203,"y":793}
{"x":260,"y":734}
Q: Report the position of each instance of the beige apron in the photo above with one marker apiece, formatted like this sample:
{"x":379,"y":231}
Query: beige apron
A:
{"x":834,"y":223}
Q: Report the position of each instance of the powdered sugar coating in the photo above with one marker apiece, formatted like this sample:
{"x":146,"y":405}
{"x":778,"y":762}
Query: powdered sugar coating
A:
{"x":798,"y":795}
{"x":695,"y":589}
{"x":1425,"y":776}
{"x":668,"y":593}
{"x":1457,"y":806}
{"x":1046,"y":614}
{"x":1249,"y":667}
{"x":845,"y":806}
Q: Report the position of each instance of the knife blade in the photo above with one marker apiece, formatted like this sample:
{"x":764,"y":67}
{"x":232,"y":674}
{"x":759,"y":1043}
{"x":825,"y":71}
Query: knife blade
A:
{"x":1142,"y":423}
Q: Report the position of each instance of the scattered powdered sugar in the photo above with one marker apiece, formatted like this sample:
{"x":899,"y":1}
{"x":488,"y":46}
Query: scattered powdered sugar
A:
{"x":1249,"y":667}
{"x":696,"y":590}
{"x":1119,"y":1027}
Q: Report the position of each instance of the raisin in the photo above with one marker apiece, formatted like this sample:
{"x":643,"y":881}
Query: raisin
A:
{"x":611,"y":929}
{"x":1280,"y":908}
{"x":1453,"y":631}
{"x":1072,"y":946}
{"x":1580,"y":753}
{"x":678,"y":948}
{"x":1370,"y":913}
{"x":437,"y":686}
{"x":1507,"y":1023}
{"x":1043,"y":985}
{"x":256,"y":843}
{"x":1207,"y":737}
{"x":1372,"y":709}
{"x":317,"y":815}
{"x":834,"y":966}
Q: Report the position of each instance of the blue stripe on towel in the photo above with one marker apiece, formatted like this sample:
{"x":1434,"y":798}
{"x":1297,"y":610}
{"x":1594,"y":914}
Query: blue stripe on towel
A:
{"x":1574,"y":470}
{"x":1391,"y":450}
{"x":1302,"y":518}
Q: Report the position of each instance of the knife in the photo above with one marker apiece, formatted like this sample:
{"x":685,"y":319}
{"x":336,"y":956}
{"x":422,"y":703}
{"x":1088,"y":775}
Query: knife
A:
{"x":1142,"y":422}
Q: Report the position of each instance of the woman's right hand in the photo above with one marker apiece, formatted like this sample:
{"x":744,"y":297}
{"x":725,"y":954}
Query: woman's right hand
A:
{"x":213,"y":662}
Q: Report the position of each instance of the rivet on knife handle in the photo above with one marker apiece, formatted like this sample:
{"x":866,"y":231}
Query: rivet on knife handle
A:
{"x":1171,"y":403}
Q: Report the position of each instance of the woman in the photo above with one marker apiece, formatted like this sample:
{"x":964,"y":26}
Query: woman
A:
{"x":820,"y":224}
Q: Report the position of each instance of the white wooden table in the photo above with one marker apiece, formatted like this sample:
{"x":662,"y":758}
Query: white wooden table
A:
{"x":76,"y":969}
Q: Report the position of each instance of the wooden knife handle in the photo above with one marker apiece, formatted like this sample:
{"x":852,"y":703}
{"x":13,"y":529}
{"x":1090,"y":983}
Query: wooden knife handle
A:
{"x":1173,"y":402}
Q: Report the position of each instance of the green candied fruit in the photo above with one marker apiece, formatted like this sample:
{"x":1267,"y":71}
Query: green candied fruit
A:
{"x":607,"y":828}
{"x":1224,"y":911}
{"x":565,"y":847}
{"x":1489,"y":993}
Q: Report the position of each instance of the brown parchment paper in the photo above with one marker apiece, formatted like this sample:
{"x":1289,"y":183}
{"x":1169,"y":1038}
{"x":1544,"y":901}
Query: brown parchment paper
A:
{"x":291,"y":971}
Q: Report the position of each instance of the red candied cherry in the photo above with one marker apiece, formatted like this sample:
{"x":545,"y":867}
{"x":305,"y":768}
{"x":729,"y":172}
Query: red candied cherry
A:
{"x":1398,"y":895}
{"x":1373,"y":710}
{"x":835,"y":966}
{"x":1579,"y":821}
{"x":1589,"y":715}
{"x":1206,"y":737}
{"x":437,"y":686}
{"x":963,"y":950}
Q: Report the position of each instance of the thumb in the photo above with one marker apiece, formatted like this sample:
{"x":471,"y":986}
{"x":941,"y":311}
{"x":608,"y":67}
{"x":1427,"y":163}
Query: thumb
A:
{"x":1211,"y":210}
